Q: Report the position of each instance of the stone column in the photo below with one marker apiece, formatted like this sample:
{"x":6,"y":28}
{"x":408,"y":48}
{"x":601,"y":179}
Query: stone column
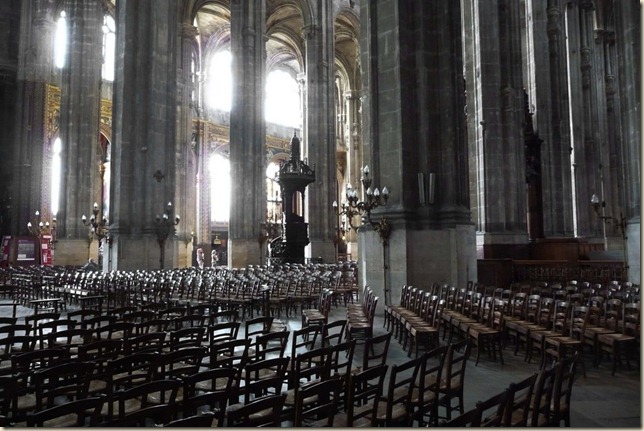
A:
{"x":186,"y":148}
{"x":32,"y":144}
{"x":247,"y":132}
{"x":495,"y":95}
{"x":144,"y":124}
{"x":354,"y":160}
{"x":411,"y":129}
{"x":79,"y":132}
{"x":628,"y":72}
{"x":319,"y":137}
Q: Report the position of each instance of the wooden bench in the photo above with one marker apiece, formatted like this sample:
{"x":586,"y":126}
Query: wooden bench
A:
{"x":46,"y":304}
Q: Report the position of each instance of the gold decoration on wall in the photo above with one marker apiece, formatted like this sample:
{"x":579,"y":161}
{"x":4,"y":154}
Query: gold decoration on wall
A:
{"x":52,"y":111}
{"x":106,"y":112}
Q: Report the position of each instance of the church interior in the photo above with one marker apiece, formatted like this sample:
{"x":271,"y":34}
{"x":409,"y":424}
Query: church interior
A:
{"x":400,"y":166}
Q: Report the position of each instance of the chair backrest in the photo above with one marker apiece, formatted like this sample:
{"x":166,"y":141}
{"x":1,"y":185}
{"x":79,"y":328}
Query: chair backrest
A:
{"x":376,"y":350}
{"x":187,"y":337}
{"x":149,"y":342}
{"x":270,"y":345}
{"x":222,"y":331}
{"x":455,"y":364}
{"x":363,"y":395}
{"x":563,"y":389}
{"x":264,"y":377}
{"x":36,"y":359}
{"x":146,"y":395}
{"x":180,"y":363}
{"x":399,"y":392}
{"x":253,"y":414}
{"x":317,"y":403}
{"x":493,"y":409}
{"x":304,"y":339}
{"x":341,"y":358}
{"x":260,"y":325}
{"x":333,"y":332}
{"x":211,"y":388}
{"x":543,"y":391}
{"x":471,"y":418}
{"x":310,"y":365}
{"x":77,"y":413}
{"x":428,"y":384}
{"x":518,"y":402}
{"x":70,"y":379}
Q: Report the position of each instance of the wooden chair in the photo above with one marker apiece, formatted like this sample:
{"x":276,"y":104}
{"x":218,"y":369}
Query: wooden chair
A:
{"x":376,"y":350}
{"x":264,"y":411}
{"x":453,"y":379}
{"x":316,"y":404}
{"x":492,"y":410}
{"x":564,"y":379}
{"x":540,"y":405}
{"x":425,"y":391}
{"x":68,"y":379}
{"x":100,"y":353}
{"x":77,"y":413}
{"x":363,"y":395}
{"x":624,"y":341}
{"x":333,"y":333}
{"x":519,"y":402}
{"x":148,"y":342}
{"x":222,"y":331}
{"x":151,"y":400}
{"x":210,"y":389}
{"x":394,"y":405}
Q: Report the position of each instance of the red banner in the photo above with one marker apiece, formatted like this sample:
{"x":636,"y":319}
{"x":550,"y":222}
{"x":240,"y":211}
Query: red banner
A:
{"x":46,"y":252}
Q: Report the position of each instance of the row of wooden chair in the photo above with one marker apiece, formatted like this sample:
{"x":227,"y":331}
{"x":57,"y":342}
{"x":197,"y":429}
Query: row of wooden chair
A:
{"x":540,"y":400}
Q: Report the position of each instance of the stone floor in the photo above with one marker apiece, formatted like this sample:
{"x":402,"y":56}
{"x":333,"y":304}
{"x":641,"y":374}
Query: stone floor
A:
{"x":598,"y":400}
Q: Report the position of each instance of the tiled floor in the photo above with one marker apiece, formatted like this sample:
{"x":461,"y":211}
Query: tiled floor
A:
{"x":599,"y":400}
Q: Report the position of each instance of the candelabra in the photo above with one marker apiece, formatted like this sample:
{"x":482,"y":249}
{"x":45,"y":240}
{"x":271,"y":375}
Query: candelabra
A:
{"x":373,"y":199}
{"x":165,"y":225}
{"x":98,"y":228}
{"x":38,"y":228}
{"x":353,"y":207}
{"x":620,"y":223}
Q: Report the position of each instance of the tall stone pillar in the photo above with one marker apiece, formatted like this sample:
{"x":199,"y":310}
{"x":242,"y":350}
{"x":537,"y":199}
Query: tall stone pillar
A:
{"x":35,"y":62}
{"x":628,"y":74}
{"x":412,"y":129}
{"x":319,"y":137}
{"x":495,"y":109}
{"x":187,"y":150}
{"x":354,"y":160}
{"x":144,"y":124}
{"x":247,"y":132}
{"x":81,"y":182}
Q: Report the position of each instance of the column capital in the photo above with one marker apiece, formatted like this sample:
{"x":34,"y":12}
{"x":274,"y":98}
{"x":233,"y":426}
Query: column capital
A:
{"x":310,"y":31}
{"x":188,"y":31}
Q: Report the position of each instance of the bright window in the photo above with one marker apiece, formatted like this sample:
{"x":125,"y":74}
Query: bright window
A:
{"x":60,"y":41}
{"x":55,"y":176}
{"x":283,"y":99}
{"x":219,"y":82}
{"x":109,"y":47}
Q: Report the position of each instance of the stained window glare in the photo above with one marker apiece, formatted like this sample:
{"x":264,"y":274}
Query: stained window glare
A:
{"x":55,"y":175}
{"x":282,"y":99}
{"x":109,"y":48}
{"x":219,"y":83}
{"x":60,"y":41}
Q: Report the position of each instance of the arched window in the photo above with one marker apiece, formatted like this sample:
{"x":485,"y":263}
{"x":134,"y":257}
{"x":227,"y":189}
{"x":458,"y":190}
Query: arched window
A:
{"x":60,"y":41}
{"x":220,"y":81}
{"x":109,"y":47}
{"x":55,"y":176}
{"x":283,"y":99}
{"x":219,"y":188}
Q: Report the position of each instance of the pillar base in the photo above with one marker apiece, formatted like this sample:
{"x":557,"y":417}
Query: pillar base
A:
{"x":242,"y":253}
{"x":634,"y":250}
{"x":132,"y":253}
{"x":323,"y":249}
